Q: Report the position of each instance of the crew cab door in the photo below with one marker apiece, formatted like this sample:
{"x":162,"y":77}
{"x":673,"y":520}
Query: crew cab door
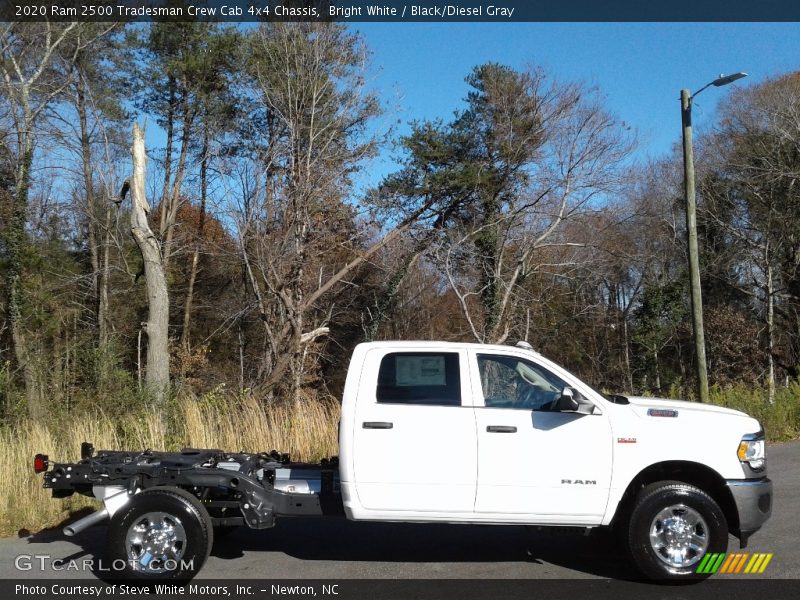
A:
{"x":414,"y":439}
{"x":532,"y":459}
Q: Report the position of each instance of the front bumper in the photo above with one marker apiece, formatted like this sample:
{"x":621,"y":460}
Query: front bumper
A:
{"x":753,"y":499}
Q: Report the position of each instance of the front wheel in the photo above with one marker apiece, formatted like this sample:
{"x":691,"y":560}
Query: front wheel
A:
{"x":163,"y":533}
{"x":673,"y":525}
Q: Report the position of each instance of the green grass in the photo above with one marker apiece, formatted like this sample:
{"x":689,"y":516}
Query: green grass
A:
{"x":781,"y":420}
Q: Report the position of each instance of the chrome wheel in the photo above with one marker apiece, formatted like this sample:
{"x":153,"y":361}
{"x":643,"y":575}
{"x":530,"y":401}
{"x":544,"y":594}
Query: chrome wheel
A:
{"x":679,"y":536}
{"x":155,"y":542}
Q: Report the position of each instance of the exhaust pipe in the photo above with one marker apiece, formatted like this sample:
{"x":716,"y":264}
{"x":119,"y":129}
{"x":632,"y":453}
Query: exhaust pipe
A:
{"x":85,"y":522}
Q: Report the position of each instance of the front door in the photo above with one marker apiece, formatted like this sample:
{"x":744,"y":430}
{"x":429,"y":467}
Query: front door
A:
{"x":532,"y":459}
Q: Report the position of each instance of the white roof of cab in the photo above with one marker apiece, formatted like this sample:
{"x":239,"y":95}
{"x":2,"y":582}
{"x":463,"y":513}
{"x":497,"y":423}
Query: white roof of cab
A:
{"x":441,"y":345}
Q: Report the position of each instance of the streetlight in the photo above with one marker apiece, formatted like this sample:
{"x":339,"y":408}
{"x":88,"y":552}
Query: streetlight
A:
{"x":691,"y":230}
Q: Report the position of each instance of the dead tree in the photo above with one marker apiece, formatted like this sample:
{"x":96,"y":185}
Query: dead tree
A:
{"x":157,"y":374}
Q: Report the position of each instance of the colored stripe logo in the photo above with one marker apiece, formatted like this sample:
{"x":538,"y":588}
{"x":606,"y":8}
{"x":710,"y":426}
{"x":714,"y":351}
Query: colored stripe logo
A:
{"x":733,"y":564}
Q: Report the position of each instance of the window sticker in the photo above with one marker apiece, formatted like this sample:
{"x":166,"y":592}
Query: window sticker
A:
{"x":420,"y":370}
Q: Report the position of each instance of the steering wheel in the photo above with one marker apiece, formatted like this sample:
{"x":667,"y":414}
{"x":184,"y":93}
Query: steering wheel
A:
{"x":535,"y":398}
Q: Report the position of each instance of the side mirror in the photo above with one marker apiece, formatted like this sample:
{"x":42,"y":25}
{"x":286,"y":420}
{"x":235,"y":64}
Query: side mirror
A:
{"x":567,"y":402}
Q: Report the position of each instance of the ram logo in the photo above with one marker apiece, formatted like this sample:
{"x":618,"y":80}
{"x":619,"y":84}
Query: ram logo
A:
{"x":578,"y":482}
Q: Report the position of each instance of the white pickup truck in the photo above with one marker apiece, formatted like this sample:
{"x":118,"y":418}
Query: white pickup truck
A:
{"x":501,"y":435}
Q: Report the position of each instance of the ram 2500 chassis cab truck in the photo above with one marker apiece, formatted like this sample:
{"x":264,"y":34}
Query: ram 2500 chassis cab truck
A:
{"x":500,"y":434}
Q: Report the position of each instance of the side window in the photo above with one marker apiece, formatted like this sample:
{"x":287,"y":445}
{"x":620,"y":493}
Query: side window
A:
{"x":510,"y":382}
{"x":428,"y":378}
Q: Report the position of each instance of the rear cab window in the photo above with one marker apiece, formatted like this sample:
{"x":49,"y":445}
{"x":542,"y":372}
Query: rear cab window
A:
{"x":419,"y":378}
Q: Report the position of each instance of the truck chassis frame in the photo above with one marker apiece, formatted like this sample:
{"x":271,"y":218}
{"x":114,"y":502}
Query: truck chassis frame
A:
{"x":235,"y":488}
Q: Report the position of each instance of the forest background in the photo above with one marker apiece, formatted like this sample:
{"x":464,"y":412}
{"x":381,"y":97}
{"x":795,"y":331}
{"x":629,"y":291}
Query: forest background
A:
{"x":212,"y":297}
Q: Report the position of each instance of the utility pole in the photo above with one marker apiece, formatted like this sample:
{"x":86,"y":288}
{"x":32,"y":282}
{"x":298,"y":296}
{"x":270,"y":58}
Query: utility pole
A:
{"x":691,"y":232}
{"x":694,"y":255}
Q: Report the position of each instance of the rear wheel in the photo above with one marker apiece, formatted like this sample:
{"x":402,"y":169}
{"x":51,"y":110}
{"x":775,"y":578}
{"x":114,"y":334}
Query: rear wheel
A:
{"x":163,"y":533}
{"x":223,"y":531}
{"x":672,"y":527}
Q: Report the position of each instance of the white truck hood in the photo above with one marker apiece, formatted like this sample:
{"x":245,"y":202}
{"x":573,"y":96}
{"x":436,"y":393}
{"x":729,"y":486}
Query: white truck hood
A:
{"x":681,"y":406}
{"x":661,"y":430}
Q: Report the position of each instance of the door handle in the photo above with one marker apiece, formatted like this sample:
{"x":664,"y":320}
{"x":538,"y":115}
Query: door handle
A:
{"x":377,"y":425}
{"x":501,"y":429}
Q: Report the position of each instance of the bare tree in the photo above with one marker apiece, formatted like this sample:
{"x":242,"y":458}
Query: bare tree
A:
{"x":749,"y":189}
{"x":31,"y":81}
{"x":311,"y":83}
{"x":157,"y":374}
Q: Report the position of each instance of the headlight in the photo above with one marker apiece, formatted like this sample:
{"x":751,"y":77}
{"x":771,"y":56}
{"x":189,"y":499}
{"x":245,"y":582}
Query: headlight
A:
{"x":753,"y":451}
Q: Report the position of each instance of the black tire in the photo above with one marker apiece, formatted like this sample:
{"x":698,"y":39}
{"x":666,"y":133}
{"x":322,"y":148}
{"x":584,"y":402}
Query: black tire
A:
{"x":674,"y":501}
{"x":182,"y":513}
{"x":223,"y":531}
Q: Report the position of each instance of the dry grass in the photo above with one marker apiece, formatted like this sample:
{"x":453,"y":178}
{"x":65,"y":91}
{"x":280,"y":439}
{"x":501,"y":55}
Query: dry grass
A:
{"x":307,"y":432}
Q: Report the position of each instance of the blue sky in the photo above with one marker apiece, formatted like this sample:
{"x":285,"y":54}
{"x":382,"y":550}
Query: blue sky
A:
{"x":640,"y":67}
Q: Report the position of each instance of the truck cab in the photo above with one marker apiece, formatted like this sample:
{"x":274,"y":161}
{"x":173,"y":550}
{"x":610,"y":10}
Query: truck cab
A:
{"x":434,"y":431}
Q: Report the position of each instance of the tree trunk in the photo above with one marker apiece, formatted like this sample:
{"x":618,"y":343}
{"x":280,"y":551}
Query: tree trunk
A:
{"x":174,"y":203}
{"x":488,"y":262}
{"x":296,"y":314}
{"x":627,"y":353}
{"x":658,"y":371}
{"x":88,"y":184}
{"x":15,"y":245}
{"x":165,"y":194}
{"x":103,"y":323}
{"x":157,"y":374}
{"x":187,"y":309}
{"x":240,"y":339}
{"x":770,"y":327}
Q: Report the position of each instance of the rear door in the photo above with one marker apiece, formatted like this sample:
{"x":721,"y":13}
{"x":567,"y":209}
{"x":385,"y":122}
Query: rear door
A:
{"x":415,"y":443}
